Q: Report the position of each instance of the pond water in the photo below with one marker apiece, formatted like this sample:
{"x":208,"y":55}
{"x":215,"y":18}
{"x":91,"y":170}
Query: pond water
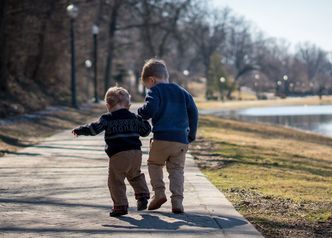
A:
{"x":311,"y":118}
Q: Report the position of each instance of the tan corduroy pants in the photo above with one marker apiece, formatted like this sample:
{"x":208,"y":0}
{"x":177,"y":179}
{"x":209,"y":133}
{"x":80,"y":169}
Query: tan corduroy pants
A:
{"x":173,"y":154}
{"x":126,"y":164}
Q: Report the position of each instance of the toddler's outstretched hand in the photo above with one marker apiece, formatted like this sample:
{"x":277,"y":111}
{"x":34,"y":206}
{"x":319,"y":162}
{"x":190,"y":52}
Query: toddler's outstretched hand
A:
{"x":74,"y":132}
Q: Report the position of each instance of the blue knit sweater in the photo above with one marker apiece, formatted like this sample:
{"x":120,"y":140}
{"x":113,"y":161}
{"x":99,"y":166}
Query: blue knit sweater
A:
{"x":173,"y":112}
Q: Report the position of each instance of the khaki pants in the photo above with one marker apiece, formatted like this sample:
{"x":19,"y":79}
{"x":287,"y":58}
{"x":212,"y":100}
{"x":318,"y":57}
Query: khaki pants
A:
{"x":173,"y":154}
{"x":126,"y":164}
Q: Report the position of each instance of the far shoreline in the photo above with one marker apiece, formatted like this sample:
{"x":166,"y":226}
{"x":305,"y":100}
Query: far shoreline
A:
{"x":215,"y":107}
{"x":241,"y":104}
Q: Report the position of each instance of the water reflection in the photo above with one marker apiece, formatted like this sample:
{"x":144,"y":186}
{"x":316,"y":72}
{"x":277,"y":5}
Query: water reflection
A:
{"x":311,"y":118}
{"x":289,"y":111}
{"x":318,"y":123}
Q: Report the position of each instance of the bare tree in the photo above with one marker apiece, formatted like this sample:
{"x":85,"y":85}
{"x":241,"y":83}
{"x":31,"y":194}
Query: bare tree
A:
{"x":115,"y":7}
{"x":272,"y":58}
{"x":155,"y":21}
{"x":158,"y":22}
{"x":208,"y":33}
{"x":316,"y":62}
{"x":238,"y":51}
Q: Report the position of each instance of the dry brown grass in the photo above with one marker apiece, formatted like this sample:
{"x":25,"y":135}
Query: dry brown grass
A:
{"x":279,"y":178}
{"x":22,"y":131}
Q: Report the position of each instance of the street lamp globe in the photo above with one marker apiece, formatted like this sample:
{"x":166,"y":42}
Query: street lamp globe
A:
{"x":285,"y":77}
{"x":222,"y":80}
{"x":88,"y":63}
{"x":72,"y":11}
{"x":95,"y":29}
{"x":185,"y":72}
{"x":165,"y":14}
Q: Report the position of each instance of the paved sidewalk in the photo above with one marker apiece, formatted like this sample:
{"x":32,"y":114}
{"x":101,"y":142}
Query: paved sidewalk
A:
{"x":59,"y":189}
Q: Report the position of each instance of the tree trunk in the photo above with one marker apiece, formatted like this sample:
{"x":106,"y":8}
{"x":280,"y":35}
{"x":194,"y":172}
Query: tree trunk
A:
{"x":320,"y":92}
{"x":110,"y":50}
{"x":41,"y":38}
{"x":3,"y":75}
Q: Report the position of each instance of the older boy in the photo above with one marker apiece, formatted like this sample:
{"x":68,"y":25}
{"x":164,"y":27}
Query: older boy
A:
{"x":174,"y":119}
{"x":122,"y":130}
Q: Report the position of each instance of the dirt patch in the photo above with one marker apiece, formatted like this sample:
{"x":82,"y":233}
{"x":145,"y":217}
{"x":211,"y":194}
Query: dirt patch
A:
{"x":273,"y":216}
{"x":279,"y":217}
{"x":205,"y":155}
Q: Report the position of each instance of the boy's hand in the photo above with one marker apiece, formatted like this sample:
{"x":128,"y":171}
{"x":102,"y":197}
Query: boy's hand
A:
{"x":74,"y":132}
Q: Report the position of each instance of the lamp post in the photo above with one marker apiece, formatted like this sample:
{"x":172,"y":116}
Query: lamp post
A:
{"x":285,"y":78}
{"x":256,"y":85}
{"x":278,"y":84}
{"x":88,"y":66}
{"x":95,"y":31}
{"x":186,"y":73}
{"x":72,"y":11}
{"x":222,"y":80}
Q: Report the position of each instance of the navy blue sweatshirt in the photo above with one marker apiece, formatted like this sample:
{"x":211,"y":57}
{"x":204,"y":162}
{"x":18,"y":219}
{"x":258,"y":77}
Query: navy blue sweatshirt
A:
{"x":173,"y":112}
{"x":122,"y":130}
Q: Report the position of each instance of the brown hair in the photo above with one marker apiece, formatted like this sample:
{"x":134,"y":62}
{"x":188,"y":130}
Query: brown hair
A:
{"x":155,"y":68}
{"x":115,"y":95}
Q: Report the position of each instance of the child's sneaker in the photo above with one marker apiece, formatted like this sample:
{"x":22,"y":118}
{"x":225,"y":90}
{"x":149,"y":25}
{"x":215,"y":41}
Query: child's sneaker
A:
{"x":177,"y":210}
{"x":177,"y":207}
{"x":118,"y":213}
{"x":156,"y":203}
{"x":142,"y":204}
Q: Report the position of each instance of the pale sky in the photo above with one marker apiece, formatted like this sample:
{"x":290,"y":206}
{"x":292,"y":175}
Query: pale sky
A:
{"x":294,"y":20}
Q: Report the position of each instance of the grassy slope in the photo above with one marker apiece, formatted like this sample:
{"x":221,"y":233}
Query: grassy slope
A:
{"x":20,"y":131}
{"x":280,"y":179}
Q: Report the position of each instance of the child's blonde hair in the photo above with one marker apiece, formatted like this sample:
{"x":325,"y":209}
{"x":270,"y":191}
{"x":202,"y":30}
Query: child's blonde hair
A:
{"x":156,"y":68}
{"x":115,"y":95}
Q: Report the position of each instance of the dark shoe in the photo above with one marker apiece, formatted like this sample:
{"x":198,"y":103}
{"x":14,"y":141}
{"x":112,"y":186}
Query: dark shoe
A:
{"x":142,"y":204}
{"x":156,"y":203}
{"x":177,"y":211}
{"x":118,"y":213}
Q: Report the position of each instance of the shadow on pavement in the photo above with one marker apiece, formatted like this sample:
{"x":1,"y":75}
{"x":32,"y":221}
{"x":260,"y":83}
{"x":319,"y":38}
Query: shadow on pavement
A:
{"x":36,"y":201}
{"x":13,"y":141}
{"x":71,"y":231}
{"x":174,"y":222}
{"x":19,"y":153}
{"x":150,"y":223}
{"x":97,"y":148}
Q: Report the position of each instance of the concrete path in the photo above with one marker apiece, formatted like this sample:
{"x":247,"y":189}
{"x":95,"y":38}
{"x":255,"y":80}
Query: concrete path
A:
{"x":59,"y":189}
